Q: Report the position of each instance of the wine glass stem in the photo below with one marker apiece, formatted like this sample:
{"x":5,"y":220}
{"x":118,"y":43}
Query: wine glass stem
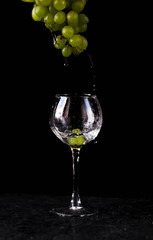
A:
{"x":75,"y":201}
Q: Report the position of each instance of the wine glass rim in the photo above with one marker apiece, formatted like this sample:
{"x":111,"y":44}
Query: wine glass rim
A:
{"x":74,"y":95}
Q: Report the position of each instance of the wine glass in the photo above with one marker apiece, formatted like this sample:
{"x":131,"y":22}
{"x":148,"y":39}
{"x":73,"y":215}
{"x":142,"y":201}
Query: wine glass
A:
{"x":75,"y":119}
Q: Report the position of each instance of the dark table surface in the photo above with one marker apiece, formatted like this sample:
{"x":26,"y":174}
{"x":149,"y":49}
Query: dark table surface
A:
{"x":28,"y":217}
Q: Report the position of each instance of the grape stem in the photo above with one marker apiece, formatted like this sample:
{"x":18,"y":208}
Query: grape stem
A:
{"x":53,"y":35}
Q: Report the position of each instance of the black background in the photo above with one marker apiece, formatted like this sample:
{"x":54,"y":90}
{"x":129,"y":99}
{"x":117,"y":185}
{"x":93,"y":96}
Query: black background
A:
{"x":33,"y":160}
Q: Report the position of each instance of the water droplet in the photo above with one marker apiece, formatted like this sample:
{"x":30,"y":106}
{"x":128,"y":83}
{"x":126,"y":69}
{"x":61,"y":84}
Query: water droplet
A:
{"x":66,"y":63}
{"x":92,"y":66}
{"x":94,"y":88}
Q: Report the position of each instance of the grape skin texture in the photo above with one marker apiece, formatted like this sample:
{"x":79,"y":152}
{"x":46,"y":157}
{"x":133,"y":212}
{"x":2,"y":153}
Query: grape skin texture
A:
{"x":66,"y":51}
{"x":65,"y":17}
{"x":60,"y":17}
{"x":59,"y":4}
{"x":67,"y":31}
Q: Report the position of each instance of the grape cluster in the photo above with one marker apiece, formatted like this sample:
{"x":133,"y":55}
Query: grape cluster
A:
{"x":65,"y":20}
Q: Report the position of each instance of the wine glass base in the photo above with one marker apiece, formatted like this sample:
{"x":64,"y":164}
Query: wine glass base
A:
{"x":74,"y":212}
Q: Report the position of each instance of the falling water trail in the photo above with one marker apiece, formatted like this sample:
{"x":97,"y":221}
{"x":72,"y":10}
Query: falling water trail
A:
{"x":93,"y":72}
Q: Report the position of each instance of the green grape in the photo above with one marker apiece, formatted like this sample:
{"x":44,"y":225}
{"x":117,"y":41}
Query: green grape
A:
{"x":44,"y":2}
{"x":56,"y":27}
{"x":37,"y":2}
{"x":60,"y":17}
{"x":28,"y":0}
{"x":76,"y":51}
{"x":59,"y":4}
{"x":72,"y":18}
{"x":59,"y":42}
{"x":79,"y":44}
{"x":77,"y":131}
{"x":83,"y":27}
{"x":82,"y":1}
{"x":41,"y":11}
{"x":77,"y":6}
{"x":84,"y":43}
{"x":83,"y":18}
{"x":76,"y":29}
{"x":67,"y":31}
{"x":34,"y":16}
{"x":52,"y":10}
{"x":75,"y":40}
{"x":66,"y":51}
{"x":76,"y":141}
{"x":49,"y":19}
